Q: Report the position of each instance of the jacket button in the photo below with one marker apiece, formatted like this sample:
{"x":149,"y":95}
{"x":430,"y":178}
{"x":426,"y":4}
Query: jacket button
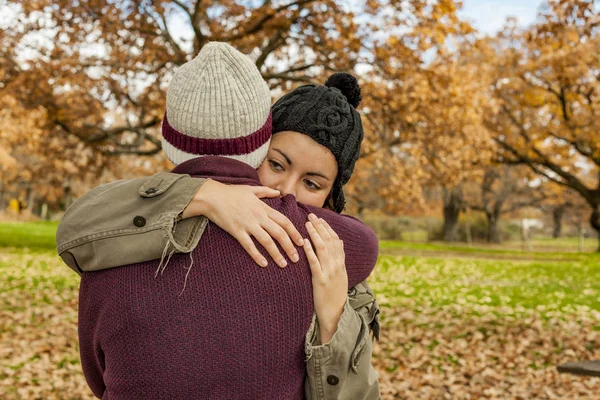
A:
{"x":333,"y":380}
{"x":139,"y":221}
{"x":151,"y":190}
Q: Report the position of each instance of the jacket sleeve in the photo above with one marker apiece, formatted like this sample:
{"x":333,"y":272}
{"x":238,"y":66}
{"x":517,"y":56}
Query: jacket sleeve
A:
{"x":342,"y":368}
{"x":147,"y":211}
{"x":90,"y":236}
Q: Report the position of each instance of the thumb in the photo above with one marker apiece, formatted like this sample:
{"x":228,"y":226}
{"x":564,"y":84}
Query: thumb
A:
{"x":264,"y":192}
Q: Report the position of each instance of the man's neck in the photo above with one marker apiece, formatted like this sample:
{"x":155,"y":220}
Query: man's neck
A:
{"x":223,"y":169}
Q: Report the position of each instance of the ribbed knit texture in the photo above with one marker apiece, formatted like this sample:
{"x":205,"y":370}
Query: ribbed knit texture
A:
{"x":219,"y":147}
{"x":220,"y":94}
{"x":236,"y":332}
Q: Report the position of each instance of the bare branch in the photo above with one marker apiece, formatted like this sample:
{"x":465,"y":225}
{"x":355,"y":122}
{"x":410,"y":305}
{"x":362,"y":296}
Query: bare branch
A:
{"x":151,"y":152}
{"x":534,"y":202}
{"x":285,"y":77}
{"x":259,"y":24}
{"x":196,"y":19}
{"x":276,"y":40}
{"x":180,"y":54}
{"x":568,"y":179}
{"x":183,"y":7}
{"x":579,"y":146}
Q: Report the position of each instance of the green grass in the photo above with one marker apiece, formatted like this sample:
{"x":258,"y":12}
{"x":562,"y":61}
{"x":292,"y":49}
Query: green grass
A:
{"x":415,"y":236}
{"x":436,"y":274}
{"x":501,"y":251}
{"x":519,"y":285}
{"x":564,"y":243}
{"x":34,"y":235}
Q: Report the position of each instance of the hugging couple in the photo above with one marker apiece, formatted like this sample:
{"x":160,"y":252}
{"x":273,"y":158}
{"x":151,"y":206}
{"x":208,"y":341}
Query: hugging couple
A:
{"x":172,"y":304}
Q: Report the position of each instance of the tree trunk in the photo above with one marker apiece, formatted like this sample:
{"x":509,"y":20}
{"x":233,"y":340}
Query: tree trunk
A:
{"x":557,"y":216}
{"x":452,"y":207}
{"x":493,"y":229}
{"x":360,"y":210}
{"x":31,"y":201}
{"x":595,"y":222}
{"x":68,"y":195}
{"x":2,"y":205}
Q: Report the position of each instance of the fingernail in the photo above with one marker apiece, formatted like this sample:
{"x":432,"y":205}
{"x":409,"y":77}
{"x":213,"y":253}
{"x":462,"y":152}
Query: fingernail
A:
{"x":312,"y":217}
{"x":263,"y":262}
{"x":295,"y":257}
{"x":300,"y":242}
{"x":283,"y":263}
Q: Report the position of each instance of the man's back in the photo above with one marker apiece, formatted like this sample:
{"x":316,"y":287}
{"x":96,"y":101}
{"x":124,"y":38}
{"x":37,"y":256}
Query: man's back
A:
{"x":236,"y":331}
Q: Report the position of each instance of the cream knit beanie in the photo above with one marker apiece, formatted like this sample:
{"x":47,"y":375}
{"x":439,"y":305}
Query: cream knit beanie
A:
{"x":217,"y":104}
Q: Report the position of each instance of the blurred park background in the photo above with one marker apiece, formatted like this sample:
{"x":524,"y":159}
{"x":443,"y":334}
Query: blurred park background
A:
{"x":480,"y":170}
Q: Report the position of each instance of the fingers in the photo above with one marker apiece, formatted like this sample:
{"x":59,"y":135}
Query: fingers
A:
{"x":246,"y":241}
{"x":271,"y":228}
{"x":317,"y":240}
{"x":264,"y":192}
{"x":281,"y":236}
{"x":335,"y":248}
{"x":338,"y":245}
{"x":313,"y":260}
{"x":319,"y":225}
{"x":287,"y":226}
{"x":267,"y":242}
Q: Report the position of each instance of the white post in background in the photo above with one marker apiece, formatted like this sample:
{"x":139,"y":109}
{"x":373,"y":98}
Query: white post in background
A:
{"x":581,"y":239}
{"x":525,"y":240}
{"x":468,"y":228}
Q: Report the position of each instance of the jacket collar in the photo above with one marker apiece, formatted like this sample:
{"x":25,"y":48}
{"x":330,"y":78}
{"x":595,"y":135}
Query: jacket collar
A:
{"x":222,"y":169}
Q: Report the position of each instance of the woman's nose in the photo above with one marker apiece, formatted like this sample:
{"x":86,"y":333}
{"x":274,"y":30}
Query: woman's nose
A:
{"x":286,"y":188}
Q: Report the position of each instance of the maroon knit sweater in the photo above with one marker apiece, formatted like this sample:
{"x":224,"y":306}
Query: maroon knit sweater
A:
{"x":236,"y":332}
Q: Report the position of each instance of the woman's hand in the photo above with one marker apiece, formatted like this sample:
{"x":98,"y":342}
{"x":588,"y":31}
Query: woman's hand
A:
{"x":238,"y":210}
{"x":329,"y":277}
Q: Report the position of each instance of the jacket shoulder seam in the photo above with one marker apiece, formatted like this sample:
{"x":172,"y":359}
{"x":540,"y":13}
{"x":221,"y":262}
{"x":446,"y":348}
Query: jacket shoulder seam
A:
{"x":108,"y":234}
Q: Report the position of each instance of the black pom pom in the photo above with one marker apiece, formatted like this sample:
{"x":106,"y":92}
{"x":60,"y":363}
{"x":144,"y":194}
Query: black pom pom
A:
{"x":348,"y":85}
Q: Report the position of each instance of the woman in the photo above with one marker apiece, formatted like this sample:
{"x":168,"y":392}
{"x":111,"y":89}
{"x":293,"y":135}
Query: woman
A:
{"x":313,"y":166}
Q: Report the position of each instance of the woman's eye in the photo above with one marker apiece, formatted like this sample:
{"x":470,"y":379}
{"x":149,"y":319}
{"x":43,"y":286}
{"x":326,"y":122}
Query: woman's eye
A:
{"x":275,"y":165}
{"x":312,"y":185}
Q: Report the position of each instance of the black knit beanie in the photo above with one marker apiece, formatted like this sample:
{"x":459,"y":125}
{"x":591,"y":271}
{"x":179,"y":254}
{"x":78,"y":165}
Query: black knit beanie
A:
{"x":328,"y":115}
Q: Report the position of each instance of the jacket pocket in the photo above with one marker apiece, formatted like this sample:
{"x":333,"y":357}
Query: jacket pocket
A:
{"x":159,"y":183}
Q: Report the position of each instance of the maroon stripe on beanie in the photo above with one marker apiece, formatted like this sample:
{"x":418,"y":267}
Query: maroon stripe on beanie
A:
{"x":217,"y":147}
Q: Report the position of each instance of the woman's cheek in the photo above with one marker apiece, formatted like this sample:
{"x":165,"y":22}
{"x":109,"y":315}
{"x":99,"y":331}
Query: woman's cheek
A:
{"x":311,"y":199}
{"x":267,"y":177}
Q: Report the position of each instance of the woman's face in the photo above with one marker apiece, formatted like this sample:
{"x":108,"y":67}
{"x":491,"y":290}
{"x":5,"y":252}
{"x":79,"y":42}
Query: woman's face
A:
{"x":298,"y":165}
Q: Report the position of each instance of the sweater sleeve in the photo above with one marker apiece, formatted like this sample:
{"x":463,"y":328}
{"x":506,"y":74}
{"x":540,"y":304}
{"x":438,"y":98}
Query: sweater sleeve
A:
{"x":360,"y":243}
{"x":92,"y":356}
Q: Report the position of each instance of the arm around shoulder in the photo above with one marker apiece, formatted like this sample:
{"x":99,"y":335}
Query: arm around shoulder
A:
{"x":102,"y":227}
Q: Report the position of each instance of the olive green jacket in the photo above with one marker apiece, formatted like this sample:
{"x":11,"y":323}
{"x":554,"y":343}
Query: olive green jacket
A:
{"x":102,"y":227}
